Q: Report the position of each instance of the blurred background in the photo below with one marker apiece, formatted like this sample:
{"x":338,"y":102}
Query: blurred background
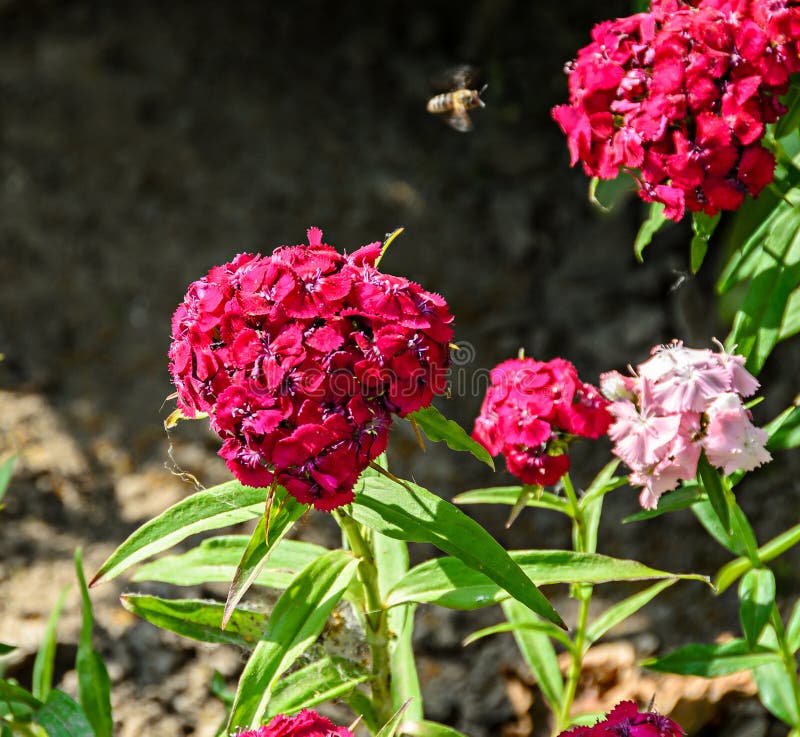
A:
{"x":143,"y":142}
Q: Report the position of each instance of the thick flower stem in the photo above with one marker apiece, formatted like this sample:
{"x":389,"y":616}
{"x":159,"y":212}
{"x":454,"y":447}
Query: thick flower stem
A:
{"x":583,"y":593}
{"x":375,"y":619}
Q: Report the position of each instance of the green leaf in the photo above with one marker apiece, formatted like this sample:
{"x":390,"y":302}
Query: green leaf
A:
{"x":413,"y":514}
{"x":790,"y":324}
{"x":5,"y":649}
{"x":427,"y":728}
{"x":787,"y":433}
{"x":325,"y":679}
{"x":296,"y":621}
{"x":713,"y":660}
{"x":789,"y":121}
{"x":283,"y":513}
{"x":361,"y":706}
{"x":438,"y":428}
{"x":756,"y":598}
{"x":220,"y":689}
{"x":683,"y":498}
{"x":15,"y":694}
{"x":450,"y":583}
{"x":588,"y":719}
{"x":776,"y":692}
{"x":391,"y":560}
{"x":94,"y":685}
{"x":45,"y":658}
{"x":209,"y":509}
{"x":538,"y":652}
{"x":62,"y":717}
{"x":216,"y":558}
{"x":198,"y":620}
{"x":752,"y":223}
{"x":509,"y":495}
{"x":624,"y":609}
{"x":757,"y":324}
{"x":703,"y":226}
{"x":655,"y":220}
{"x":604,"y":482}
{"x":6,"y":472}
{"x":712,"y":484}
{"x":538,"y":625}
{"x":793,"y":628}
{"x":390,"y":728}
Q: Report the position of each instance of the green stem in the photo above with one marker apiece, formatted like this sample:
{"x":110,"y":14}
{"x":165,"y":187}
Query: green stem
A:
{"x":375,"y":617}
{"x":583,"y":593}
{"x":789,"y":661}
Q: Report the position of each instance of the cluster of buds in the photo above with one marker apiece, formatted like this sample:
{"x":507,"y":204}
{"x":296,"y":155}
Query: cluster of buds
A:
{"x":680,"y":403}
{"x":530,"y":413}
{"x":679,"y":97}
{"x":301,"y":358}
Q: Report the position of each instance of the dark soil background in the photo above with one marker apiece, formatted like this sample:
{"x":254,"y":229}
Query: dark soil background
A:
{"x":143,"y":142}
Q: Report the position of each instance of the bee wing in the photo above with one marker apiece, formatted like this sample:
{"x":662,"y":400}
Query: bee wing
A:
{"x":462,"y":76}
{"x":460,"y":121}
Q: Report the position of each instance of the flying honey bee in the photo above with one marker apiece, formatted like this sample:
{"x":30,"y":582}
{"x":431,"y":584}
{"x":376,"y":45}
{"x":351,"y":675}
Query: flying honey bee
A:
{"x":460,"y":97}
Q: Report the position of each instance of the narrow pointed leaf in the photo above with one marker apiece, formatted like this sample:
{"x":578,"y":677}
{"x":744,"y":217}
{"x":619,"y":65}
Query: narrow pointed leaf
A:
{"x":61,"y":716}
{"x":284,"y":512}
{"x":15,"y":694}
{"x":450,"y":583}
{"x":427,"y":728}
{"x":324,"y":679}
{"x":509,"y":495}
{"x":415,"y":515}
{"x":624,"y":609}
{"x":198,"y":620}
{"x":209,"y":509}
{"x":6,"y":472}
{"x":785,"y":434}
{"x":215,"y":561}
{"x":538,"y":652}
{"x":45,"y":658}
{"x":713,"y":660}
{"x":604,"y":482}
{"x":438,"y":428}
{"x":683,"y":498}
{"x":390,"y":729}
{"x":703,"y":226}
{"x":756,"y":598}
{"x":712,"y":484}
{"x":94,"y":685}
{"x":776,"y":692}
{"x":296,"y":621}
{"x":655,"y":220}
{"x":546,"y":628}
{"x":5,"y":649}
{"x":793,"y":628}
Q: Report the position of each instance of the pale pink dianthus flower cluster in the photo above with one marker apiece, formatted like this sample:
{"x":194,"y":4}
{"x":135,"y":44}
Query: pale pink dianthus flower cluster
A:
{"x":680,"y":403}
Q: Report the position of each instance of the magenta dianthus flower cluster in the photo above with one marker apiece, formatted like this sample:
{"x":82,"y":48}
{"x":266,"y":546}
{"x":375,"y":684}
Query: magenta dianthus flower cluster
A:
{"x":681,"y":402}
{"x":625,"y":720}
{"x":306,"y":723}
{"x":530,"y":412}
{"x":300,"y":358}
{"x":679,"y":98}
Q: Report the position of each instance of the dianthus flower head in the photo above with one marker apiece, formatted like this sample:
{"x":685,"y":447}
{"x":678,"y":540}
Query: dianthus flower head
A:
{"x":625,"y":720}
{"x":530,"y":412}
{"x":679,"y":97}
{"x":679,"y":403}
{"x":305,"y":724}
{"x":300,"y":359}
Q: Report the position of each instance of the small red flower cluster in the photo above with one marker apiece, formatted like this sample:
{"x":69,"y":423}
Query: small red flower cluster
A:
{"x":531,"y":411}
{"x":305,"y":724}
{"x":300,"y":358}
{"x":680,"y":96}
{"x":626,"y":719}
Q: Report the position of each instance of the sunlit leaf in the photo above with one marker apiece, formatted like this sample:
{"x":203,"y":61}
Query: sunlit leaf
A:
{"x":61,"y":716}
{"x":438,"y":428}
{"x":713,"y":660}
{"x":45,"y":659}
{"x":756,"y":599}
{"x":652,"y":224}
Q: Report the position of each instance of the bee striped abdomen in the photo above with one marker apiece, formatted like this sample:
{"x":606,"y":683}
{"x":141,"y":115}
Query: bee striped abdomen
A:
{"x":441,"y":103}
